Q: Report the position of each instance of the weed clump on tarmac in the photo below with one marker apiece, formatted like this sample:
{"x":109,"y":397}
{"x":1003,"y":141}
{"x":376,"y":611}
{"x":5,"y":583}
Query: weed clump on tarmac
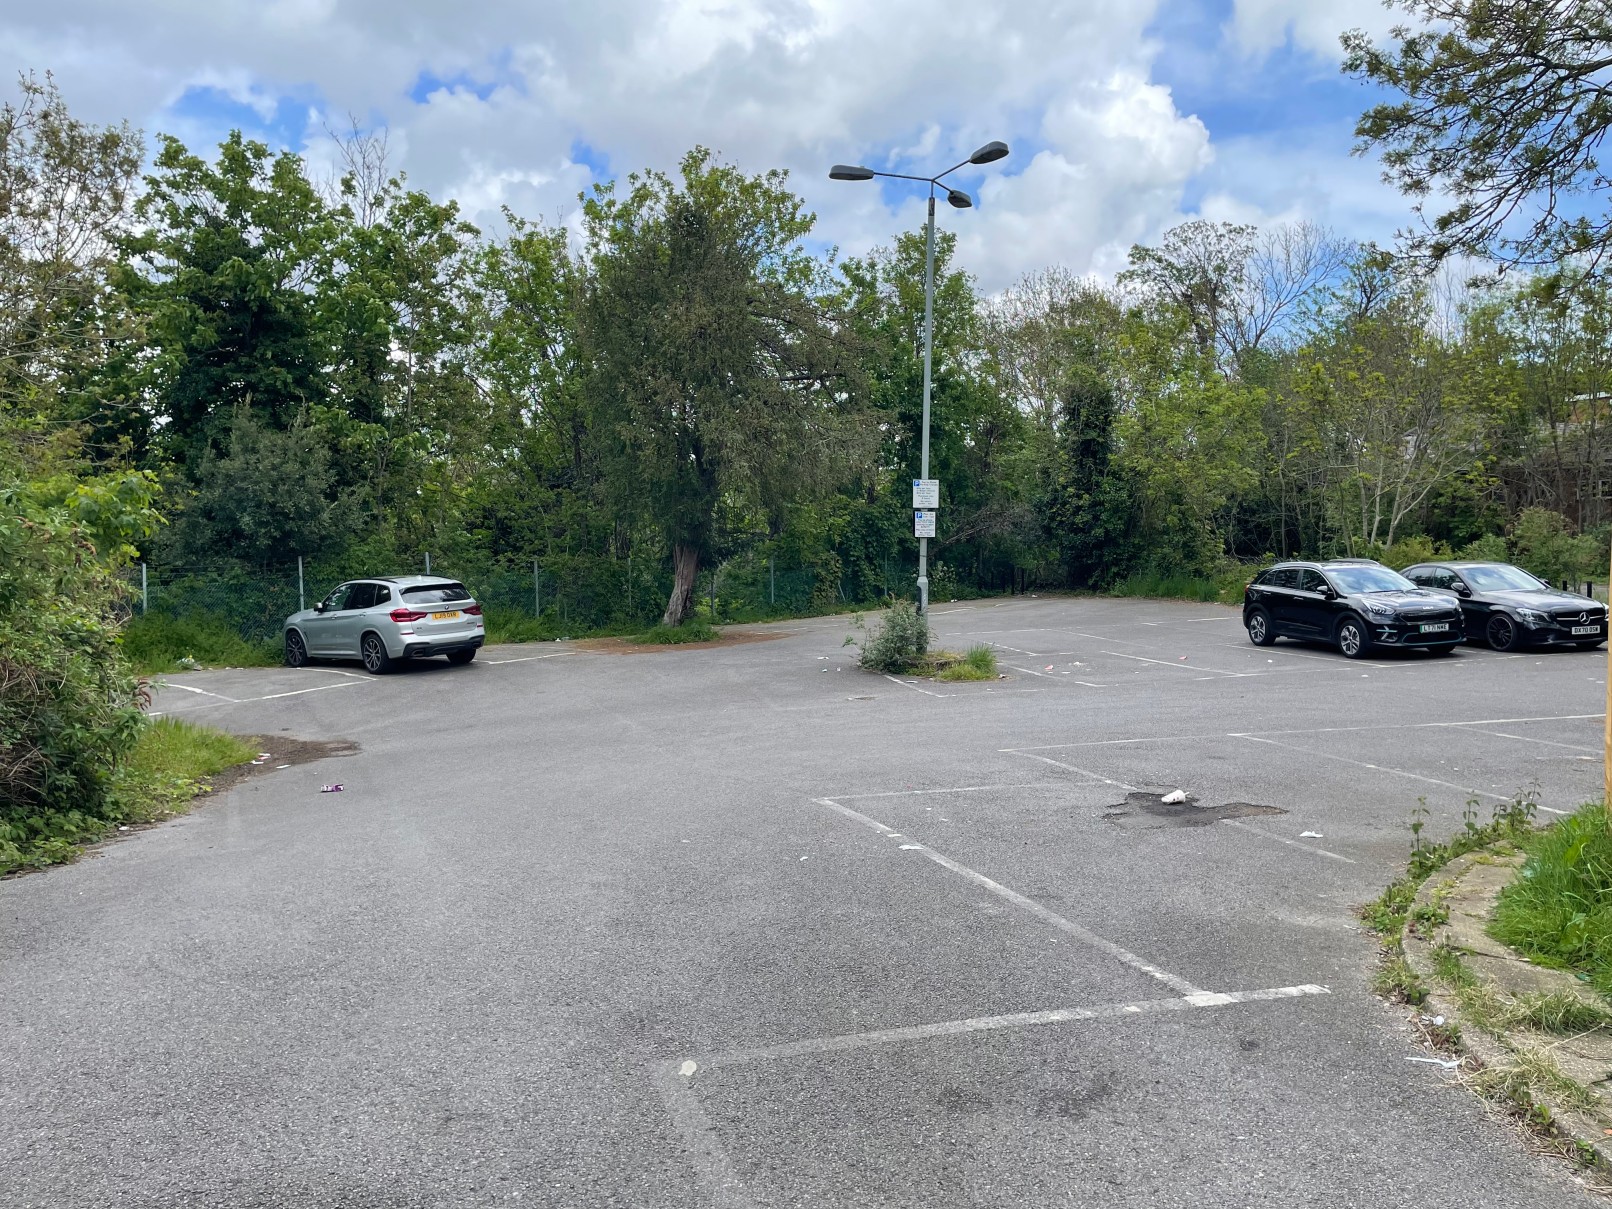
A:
{"x":899,"y":644}
{"x":1559,"y":910}
{"x":978,"y":664}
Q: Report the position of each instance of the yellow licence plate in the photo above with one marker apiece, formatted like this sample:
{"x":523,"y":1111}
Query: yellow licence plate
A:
{"x":445,"y":616}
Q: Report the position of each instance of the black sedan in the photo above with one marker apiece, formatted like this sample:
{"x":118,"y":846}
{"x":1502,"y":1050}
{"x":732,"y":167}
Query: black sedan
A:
{"x":1353,"y":604}
{"x":1510,"y":608}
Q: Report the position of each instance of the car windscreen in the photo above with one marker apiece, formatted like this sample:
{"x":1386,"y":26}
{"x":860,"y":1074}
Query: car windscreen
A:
{"x":1369,"y":579}
{"x":1500,"y":579}
{"x":435,"y":594}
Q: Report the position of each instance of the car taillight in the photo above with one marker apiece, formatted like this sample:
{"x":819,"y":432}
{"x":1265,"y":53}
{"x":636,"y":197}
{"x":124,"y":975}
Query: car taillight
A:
{"x":407,"y":615}
{"x":473,"y":610}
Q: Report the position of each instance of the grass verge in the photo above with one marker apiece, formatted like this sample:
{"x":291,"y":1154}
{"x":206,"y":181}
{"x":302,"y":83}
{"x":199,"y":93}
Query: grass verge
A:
{"x":166,"y":771}
{"x":671,"y":635}
{"x":1559,"y":910}
{"x":156,"y":643}
{"x":978,"y":664}
{"x":1224,"y":587}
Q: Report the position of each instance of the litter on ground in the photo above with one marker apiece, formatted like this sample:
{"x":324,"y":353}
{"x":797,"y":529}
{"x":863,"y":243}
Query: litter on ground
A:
{"x":1175,"y":798}
{"x":330,"y":789}
{"x":1311,"y":835}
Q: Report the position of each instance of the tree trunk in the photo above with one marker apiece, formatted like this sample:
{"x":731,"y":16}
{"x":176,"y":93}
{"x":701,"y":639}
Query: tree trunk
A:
{"x":685,"y":564}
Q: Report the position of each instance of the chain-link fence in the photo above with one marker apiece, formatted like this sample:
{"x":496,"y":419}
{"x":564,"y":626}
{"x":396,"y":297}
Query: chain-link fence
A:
{"x":548,"y":597}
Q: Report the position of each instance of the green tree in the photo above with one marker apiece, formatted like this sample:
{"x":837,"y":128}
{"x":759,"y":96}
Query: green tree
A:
{"x":1504,"y":108}
{"x":713,"y":371}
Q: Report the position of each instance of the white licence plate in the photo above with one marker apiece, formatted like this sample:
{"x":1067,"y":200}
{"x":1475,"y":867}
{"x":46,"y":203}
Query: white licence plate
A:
{"x":445,"y":616}
{"x":1437,"y":627}
{"x":1586,"y":629}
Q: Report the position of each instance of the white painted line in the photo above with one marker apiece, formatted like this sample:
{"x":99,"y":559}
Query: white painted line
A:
{"x":1282,"y":839}
{"x":981,"y":1024}
{"x":202,"y":691}
{"x":524,"y":659}
{"x":1530,"y":739}
{"x":1068,"y":927}
{"x":319,"y":688}
{"x":337,"y":672}
{"x":1085,"y":772}
{"x":1399,"y":772}
{"x":915,"y":688}
{"x":1182,"y":664}
{"x":712,"y":1167}
{"x":902,"y":793}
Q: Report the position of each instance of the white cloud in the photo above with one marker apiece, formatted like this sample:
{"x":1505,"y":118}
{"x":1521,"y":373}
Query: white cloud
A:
{"x":1102,"y":155}
{"x":1261,"y":26}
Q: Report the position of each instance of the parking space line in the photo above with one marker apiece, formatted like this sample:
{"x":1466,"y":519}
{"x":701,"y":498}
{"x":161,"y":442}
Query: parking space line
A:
{"x":1333,"y":660}
{"x":190,"y":689}
{"x":1013,"y":1020}
{"x":1530,"y":739}
{"x":915,"y":688}
{"x":1399,"y":772}
{"x":712,"y":1167}
{"x":523,"y":659}
{"x":1085,"y":772}
{"x":1068,"y":927}
{"x":1282,"y":839}
{"x":1184,"y":666}
{"x":907,"y":793}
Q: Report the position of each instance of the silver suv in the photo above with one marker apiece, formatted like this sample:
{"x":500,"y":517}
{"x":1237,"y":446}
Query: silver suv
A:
{"x":388,"y":618}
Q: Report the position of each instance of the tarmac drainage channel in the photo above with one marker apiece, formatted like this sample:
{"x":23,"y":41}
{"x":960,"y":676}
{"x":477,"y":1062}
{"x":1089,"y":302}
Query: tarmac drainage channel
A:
{"x":1181,"y":814}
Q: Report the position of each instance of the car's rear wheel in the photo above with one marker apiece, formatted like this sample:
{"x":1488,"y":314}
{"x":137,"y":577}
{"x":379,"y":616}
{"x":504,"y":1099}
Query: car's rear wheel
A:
{"x":376,"y":661}
{"x":1259,"y":628}
{"x":460,"y":658}
{"x":1352,"y":638}
{"x":1502,"y":633}
{"x":296,"y":650}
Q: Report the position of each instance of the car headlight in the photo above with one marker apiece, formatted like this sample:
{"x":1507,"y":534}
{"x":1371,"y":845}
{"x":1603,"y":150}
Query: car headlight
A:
{"x":1532,"y":617}
{"x":1378,"y":608}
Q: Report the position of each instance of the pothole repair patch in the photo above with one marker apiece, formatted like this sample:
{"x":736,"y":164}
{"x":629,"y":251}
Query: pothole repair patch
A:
{"x":1143,"y":807}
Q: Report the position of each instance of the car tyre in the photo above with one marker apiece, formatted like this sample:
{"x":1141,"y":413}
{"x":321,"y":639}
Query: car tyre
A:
{"x":1353,"y":640}
{"x":1503,"y":633}
{"x":376,"y":661}
{"x":1260,"y":632}
{"x":460,"y":658}
{"x":296,"y":650}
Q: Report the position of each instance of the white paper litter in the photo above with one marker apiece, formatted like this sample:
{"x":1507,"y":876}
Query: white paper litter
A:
{"x":1175,"y":798}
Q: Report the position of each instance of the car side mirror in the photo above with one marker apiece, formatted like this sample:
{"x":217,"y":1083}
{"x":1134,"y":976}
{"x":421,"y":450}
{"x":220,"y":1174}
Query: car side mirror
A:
{"x":320,"y":607}
{"x":1462,"y":590}
{"x":1328,"y":594}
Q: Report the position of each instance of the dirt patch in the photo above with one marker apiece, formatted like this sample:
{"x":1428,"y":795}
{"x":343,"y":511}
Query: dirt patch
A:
{"x":282,"y":751}
{"x":626,"y":646}
{"x":1180,"y":814}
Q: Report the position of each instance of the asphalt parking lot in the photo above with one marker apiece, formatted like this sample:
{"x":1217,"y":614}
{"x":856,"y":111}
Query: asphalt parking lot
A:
{"x":748,"y":926}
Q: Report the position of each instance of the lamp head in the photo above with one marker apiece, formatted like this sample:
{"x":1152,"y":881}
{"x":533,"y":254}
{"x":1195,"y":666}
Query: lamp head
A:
{"x":850,"y":172}
{"x":959,"y":199}
{"x":990,"y":153}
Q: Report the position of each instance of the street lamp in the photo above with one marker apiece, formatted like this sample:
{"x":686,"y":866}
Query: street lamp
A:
{"x":987,"y":154}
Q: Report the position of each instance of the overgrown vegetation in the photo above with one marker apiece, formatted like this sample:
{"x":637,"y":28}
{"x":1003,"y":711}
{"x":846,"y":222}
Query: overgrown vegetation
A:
{"x":898,"y":643}
{"x":672,"y":635}
{"x":159,"y":643}
{"x":164,"y":769}
{"x":978,"y":664}
{"x":1559,"y":909}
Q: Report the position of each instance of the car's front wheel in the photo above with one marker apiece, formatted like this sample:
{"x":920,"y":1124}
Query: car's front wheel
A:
{"x":1503,"y":633}
{"x":376,"y":661}
{"x":1352,"y":638}
{"x":1259,"y":628}
{"x":296,"y":650}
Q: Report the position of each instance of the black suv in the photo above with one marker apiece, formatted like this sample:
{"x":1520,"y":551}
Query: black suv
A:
{"x":1353,"y":604}
{"x":1510,"y":608}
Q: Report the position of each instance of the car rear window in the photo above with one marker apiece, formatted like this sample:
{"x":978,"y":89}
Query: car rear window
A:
{"x":435,"y":593}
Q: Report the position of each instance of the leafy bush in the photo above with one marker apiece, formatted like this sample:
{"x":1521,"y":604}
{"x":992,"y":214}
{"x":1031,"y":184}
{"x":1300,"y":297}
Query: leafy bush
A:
{"x":1541,"y":543}
{"x":158,"y":643}
{"x":1490,"y":548}
{"x":69,"y":706}
{"x":1224,"y":586}
{"x":899,"y":643}
{"x":1559,"y":910}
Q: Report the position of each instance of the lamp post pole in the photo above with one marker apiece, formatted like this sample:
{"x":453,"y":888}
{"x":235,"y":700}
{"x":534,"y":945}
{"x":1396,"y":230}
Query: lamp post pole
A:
{"x":987,"y":154}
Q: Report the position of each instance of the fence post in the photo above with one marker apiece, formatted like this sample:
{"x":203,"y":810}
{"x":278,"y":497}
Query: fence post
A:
{"x":537,"y":590}
{"x":428,"y":562}
{"x":772,"y":582}
{"x":145,"y":599}
{"x":300,"y":602}
{"x":630,"y":612}
{"x":713,"y":595}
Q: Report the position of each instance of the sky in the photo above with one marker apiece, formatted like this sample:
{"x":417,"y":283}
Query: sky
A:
{"x":1124,"y":117}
